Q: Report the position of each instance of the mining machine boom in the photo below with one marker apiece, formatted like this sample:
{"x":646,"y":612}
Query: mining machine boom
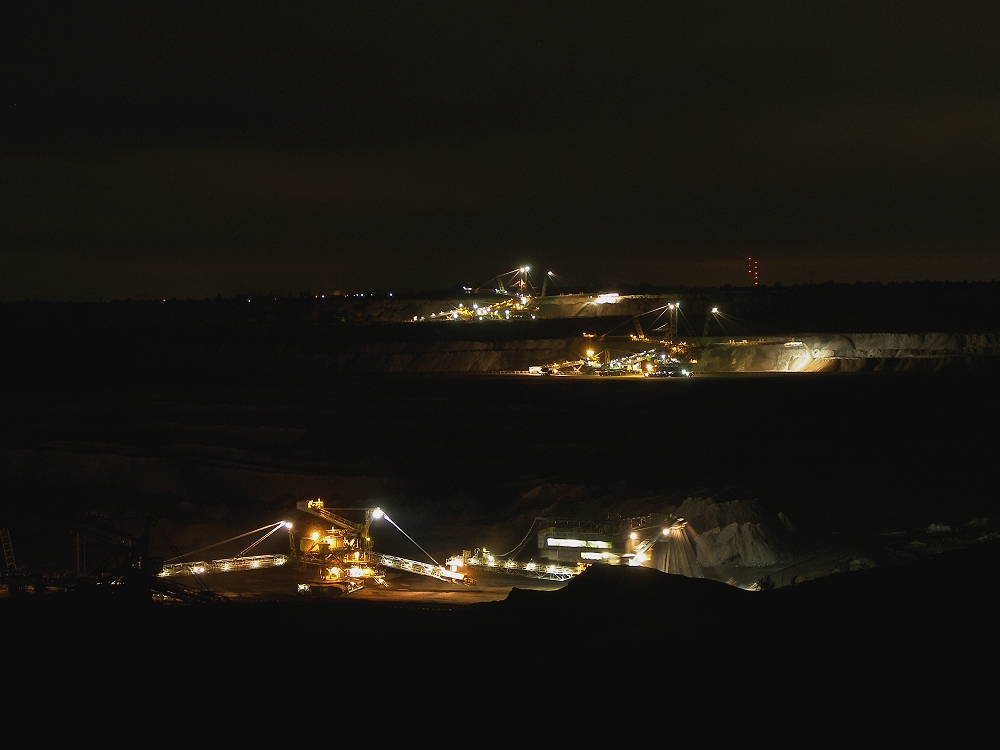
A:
{"x":342,"y":556}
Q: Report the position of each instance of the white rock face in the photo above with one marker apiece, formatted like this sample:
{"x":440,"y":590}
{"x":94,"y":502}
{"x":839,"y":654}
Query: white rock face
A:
{"x":454,"y":356}
{"x":817,"y":353}
{"x":793,"y":353}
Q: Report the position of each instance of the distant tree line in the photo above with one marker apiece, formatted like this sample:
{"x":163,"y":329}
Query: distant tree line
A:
{"x":806,"y":308}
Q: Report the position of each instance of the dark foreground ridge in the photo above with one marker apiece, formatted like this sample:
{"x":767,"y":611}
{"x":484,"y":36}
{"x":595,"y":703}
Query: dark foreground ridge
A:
{"x":609,"y":612}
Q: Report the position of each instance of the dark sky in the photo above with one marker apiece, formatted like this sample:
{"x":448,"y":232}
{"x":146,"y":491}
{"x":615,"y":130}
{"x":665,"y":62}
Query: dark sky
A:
{"x":194,"y":149}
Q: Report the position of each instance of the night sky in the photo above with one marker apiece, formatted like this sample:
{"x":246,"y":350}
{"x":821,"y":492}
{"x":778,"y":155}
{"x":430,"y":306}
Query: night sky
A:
{"x":188,"y":150}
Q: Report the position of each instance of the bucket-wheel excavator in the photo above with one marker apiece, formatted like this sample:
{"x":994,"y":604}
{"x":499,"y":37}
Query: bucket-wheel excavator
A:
{"x":340,"y":557}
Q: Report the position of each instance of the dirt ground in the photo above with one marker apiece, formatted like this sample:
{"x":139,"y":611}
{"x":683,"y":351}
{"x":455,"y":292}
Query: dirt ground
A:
{"x":281,"y":585}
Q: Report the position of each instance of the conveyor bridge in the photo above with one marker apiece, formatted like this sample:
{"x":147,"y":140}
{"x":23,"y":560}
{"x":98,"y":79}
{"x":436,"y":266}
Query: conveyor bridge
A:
{"x":539,"y":571}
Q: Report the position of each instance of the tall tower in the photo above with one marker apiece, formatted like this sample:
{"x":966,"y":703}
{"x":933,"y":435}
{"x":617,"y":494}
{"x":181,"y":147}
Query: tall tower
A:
{"x":752,"y":271}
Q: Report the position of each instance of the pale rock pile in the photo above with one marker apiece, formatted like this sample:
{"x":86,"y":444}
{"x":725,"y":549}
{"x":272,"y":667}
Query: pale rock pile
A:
{"x":729,"y":534}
